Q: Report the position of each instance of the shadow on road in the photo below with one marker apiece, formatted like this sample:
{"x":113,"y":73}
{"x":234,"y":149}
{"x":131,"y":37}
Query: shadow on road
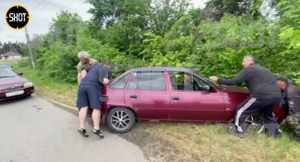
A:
{"x":89,"y":119}
{"x":14,"y":100}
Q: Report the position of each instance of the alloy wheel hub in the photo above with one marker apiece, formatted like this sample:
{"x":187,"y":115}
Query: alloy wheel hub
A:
{"x":120,"y":120}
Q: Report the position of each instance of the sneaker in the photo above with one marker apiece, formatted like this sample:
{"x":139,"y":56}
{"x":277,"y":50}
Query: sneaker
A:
{"x":277,"y":133}
{"x":235,"y":132}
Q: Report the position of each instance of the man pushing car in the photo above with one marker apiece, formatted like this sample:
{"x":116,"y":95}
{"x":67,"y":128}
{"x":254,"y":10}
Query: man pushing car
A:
{"x":90,"y":95}
{"x":291,"y":93}
{"x":264,"y":94}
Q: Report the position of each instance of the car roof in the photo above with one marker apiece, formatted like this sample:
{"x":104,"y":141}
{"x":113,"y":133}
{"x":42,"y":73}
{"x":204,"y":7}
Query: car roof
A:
{"x":163,"y":69}
{"x":177,"y":69}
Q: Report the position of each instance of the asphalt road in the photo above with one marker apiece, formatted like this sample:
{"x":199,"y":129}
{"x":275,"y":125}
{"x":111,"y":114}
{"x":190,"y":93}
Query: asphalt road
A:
{"x":34,"y":130}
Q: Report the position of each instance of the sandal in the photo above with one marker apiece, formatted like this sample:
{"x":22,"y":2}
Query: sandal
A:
{"x":83,"y":132}
{"x":98,"y":133}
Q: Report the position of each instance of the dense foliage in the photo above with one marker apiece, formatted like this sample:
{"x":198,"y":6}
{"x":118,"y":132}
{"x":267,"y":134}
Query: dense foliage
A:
{"x":136,"y":33}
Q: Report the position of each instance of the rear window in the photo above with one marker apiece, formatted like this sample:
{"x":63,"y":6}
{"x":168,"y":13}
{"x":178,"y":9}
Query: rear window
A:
{"x":149,"y":80}
{"x":121,"y":83}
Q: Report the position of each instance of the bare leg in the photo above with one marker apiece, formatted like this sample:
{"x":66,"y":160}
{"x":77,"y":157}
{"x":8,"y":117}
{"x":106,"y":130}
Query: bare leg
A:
{"x":96,"y":118}
{"x":82,"y":117}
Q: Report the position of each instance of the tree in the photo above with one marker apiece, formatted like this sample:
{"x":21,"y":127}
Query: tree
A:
{"x":107,"y":13}
{"x":64,"y":27}
{"x":212,"y":40}
{"x":216,"y":9}
{"x":122,"y":24}
{"x":164,"y":13}
{"x":290,"y":36}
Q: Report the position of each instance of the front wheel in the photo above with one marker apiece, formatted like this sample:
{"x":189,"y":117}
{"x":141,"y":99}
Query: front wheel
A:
{"x":120,"y":120}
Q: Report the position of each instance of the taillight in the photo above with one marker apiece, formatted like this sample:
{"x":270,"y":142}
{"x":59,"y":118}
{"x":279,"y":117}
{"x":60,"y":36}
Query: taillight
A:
{"x":104,"y":98}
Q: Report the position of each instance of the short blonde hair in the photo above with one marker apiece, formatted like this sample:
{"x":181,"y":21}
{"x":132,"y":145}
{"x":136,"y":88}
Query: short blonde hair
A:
{"x":83,"y":54}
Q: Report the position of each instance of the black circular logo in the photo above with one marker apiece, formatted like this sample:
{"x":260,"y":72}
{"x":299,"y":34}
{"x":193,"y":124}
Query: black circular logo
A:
{"x":17,"y":17}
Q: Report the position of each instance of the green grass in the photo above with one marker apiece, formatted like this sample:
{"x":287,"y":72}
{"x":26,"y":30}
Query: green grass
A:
{"x":211,"y":142}
{"x":186,"y":141}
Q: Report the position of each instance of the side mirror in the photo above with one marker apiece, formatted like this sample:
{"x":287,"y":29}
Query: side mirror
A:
{"x":207,"y":88}
{"x":211,"y":89}
{"x":20,"y":74}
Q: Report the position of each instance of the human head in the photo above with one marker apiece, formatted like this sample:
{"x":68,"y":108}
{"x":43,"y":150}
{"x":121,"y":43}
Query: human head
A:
{"x":282,"y":82}
{"x":84,"y":57}
{"x":187,"y":78}
{"x":107,"y":64}
{"x":248,"y":60}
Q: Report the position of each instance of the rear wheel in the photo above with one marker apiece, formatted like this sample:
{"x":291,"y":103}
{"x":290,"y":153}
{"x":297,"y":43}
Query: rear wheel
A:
{"x":120,"y":120}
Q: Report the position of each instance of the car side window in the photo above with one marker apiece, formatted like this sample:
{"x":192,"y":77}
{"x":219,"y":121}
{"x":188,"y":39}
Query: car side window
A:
{"x":187,"y":82}
{"x":203,"y":86}
{"x":148,"y":80}
{"x":121,"y":83}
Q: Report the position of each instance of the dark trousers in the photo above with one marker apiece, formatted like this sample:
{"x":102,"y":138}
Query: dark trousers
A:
{"x":253,"y":106}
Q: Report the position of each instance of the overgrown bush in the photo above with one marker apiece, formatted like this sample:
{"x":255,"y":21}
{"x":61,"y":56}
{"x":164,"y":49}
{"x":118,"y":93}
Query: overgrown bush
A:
{"x":171,"y":35}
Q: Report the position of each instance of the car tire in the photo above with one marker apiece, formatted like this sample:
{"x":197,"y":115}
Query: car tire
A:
{"x":120,"y":120}
{"x":255,"y":123}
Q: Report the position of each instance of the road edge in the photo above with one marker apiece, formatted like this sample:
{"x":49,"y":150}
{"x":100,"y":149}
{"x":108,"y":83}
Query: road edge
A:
{"x":66,"y":107}
{"x":63,"y":105}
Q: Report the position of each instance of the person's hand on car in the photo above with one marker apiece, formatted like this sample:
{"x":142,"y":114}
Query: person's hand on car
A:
{"x":213,"y":78}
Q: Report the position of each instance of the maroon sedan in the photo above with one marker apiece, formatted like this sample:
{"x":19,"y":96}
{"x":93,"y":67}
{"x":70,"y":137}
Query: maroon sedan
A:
{"x":12,"y":85}
{"x":170,"y":94}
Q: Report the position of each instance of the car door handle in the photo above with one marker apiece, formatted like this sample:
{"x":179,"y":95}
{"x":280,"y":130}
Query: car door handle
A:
{"x":175,"y":98}
{"x":133,"y":96}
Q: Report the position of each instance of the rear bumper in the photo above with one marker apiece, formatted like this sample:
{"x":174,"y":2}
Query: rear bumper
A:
{"x":27,"y":92}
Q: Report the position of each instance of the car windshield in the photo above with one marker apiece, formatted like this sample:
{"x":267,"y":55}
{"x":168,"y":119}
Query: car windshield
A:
{"x":6,"y":72}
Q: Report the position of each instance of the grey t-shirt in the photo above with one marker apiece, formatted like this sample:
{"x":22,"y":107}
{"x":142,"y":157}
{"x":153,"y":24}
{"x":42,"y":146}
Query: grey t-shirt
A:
{"x":95,"y":75}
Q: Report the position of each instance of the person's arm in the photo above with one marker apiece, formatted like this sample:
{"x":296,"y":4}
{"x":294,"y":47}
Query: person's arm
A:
{"x":106,"y":81}
{"x":94,"y":62}
{"x":239,"y":79}
{"x":83,"y":74}
{"x":283,"y":122}
{"x":79,"y":70}
{"x":107,"y":78}
{"x":104,"y":76}
{"x":294,"y":98}
{"x":78,"y":78}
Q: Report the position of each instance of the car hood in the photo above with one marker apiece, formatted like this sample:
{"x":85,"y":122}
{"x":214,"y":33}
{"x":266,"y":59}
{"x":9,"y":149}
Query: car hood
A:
{"x":235,"y":89}
{"x":15,"y":81}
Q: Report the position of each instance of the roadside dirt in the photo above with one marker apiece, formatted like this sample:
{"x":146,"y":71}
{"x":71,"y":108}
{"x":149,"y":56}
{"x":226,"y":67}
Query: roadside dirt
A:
{"x":155,"y":148}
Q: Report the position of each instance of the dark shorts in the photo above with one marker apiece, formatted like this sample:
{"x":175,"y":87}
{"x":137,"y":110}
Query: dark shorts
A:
{"x":89,"y":96}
